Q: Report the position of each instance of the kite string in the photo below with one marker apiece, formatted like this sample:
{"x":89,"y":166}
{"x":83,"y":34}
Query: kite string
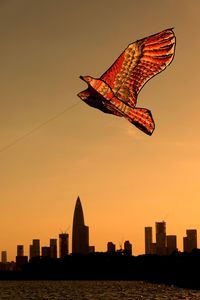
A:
{"x":22,"y":137}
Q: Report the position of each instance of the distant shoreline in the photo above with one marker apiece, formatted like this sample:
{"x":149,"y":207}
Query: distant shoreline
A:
{"x":180,"y":269}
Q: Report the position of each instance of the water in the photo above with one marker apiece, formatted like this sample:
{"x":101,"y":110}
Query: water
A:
{"x":92,"y":290}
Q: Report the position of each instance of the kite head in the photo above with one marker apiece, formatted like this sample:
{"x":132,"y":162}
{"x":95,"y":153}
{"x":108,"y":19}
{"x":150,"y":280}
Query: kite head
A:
{"x":87,"y":79}
{"x":94,"y":83}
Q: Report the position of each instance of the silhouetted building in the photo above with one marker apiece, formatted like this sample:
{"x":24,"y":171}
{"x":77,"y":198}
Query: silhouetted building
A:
{"x":20,"y":250}
{"x":153,"y":248}
{"x":36,"y":248}
{"x":8,"y":266}
{"x":30,"y":251}
{"x":148,"y":239}
{"x":127,"y":248}
{"x":63,"y":244}
{"x":111,"y":247}
{"x":80,"y":234}
{"x":190,"y":241}
{"x":161,"y":238}
{"x":21,"y":261}
{"x":53,"y":248}
{"x":4,"y":257}
{"x":91,"y":249}
{"x":171,"y":244}
{"x":45,"y":251}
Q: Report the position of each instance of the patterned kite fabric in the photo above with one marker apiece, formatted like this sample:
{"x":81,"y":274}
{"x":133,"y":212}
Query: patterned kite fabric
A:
{"x":116,"y":91}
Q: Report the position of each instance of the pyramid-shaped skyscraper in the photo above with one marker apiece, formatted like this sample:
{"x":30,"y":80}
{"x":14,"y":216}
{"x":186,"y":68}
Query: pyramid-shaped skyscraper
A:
{"x":80,"y":233}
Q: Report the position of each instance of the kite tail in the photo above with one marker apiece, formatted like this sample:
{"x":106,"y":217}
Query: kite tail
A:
{"x":141,"y":118}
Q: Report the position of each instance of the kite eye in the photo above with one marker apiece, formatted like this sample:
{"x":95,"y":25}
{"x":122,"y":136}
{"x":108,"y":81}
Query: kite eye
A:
{"x":86,"y":78}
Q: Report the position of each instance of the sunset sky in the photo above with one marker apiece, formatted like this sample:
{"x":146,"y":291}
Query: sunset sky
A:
{"x":126,"y":180}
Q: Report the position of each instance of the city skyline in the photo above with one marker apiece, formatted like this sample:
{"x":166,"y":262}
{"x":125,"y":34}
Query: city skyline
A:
{"x":124,"y":178}
{"x":159,"y":243}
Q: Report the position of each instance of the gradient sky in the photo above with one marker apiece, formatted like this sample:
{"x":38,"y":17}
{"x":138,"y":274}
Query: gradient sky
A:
{"x":126,"y":180}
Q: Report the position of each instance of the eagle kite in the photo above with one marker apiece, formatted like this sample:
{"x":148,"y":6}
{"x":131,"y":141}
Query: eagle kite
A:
{"x":116,"y":91}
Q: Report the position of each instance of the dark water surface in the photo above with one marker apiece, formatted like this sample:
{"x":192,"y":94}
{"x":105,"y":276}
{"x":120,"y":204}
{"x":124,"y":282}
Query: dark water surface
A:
{"x":92,"y":290}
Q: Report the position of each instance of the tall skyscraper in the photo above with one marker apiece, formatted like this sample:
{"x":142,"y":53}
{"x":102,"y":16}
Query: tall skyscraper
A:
{"x":190,"y":241}
{"x":36,"y":248}
{"x":111,"y":247}
{"x":63,"y":244}
{"x":80,"y":234}
{"x":53,"y":248}
{"x":171,"y":244}
{"x":148,"y":240}
{"x":4,"y":257}
{"x":161,"y":238}
{"x":21,"y":260}
{"x":127,"y":248}
{"x":45,"y":251}
{"x":30,"y":251}
{"x":20,"y":250}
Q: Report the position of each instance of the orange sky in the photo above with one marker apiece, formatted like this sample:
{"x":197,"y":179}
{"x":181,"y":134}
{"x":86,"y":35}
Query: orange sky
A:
{"x":126,"y":180}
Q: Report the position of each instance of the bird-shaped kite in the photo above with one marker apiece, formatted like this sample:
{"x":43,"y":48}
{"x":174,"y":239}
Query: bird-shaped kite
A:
{"x":116,"y":91}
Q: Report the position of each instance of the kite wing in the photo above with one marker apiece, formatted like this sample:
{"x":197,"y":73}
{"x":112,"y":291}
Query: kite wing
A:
{"x":139,"y":62}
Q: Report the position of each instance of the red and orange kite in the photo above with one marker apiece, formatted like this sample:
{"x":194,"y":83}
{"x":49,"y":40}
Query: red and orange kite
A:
{"x":116,"y":91}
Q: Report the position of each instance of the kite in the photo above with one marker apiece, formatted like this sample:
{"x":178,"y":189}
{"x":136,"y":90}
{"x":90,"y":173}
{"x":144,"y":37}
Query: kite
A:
{"x":116,"y":91}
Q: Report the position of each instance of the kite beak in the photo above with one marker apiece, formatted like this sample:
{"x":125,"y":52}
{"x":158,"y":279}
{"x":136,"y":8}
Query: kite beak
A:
{"x":82,"y":77}
{"x":87,"y":79}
